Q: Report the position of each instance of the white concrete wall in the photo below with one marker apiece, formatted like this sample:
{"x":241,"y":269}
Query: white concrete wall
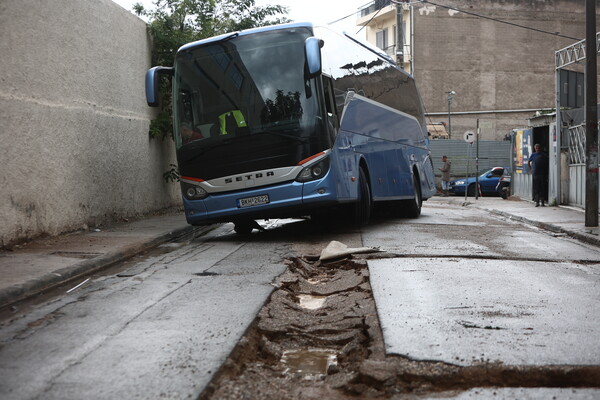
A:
{"x":74,"y":122}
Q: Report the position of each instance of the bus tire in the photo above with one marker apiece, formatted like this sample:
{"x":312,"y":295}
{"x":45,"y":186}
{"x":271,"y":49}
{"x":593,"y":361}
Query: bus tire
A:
{"x":243,"y":227}
{"x":413,"y":207}
{"x":471,"y":190}
{"x":362,"y":208}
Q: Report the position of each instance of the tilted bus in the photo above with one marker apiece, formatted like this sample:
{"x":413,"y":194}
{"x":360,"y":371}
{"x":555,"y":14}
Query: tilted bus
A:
{"x":290,"y":120}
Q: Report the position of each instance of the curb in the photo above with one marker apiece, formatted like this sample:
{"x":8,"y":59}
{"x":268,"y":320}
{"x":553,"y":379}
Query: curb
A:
{"x":595,"y":241}
{"x":16,"y":293}
{"x":549,"y":227}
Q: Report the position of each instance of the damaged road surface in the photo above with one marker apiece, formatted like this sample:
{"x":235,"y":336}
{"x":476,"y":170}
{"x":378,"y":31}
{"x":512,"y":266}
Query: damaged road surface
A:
{"x":458,"y":311}
{"x":453,"y":305}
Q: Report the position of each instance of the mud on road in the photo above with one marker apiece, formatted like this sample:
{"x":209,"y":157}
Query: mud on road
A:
{"x":318,"y":337}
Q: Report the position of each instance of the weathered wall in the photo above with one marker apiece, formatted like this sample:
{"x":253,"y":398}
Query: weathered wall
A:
{"x":73,"y":118}
{"x":491,"y":66}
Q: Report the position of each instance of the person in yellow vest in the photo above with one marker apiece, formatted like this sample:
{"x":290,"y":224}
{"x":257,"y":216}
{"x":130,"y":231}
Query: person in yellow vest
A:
{"x":238,"y":117}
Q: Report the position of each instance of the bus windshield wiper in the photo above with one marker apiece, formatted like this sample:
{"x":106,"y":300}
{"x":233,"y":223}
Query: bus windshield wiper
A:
{"x":285,"y":135}
{"x":199,"y":147}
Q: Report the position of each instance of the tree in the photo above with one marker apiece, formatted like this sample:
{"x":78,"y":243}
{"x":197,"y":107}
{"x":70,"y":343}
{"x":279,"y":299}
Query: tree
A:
{"x":173,"y":23}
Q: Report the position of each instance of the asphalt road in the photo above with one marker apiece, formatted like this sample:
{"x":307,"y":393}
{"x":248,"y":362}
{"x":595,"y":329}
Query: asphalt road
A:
{"x":160,"y":329}
{"x":460,"y":286}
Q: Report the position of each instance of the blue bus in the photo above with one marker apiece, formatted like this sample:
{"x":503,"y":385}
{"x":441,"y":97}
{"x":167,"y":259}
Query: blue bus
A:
{"x":290,"y":120}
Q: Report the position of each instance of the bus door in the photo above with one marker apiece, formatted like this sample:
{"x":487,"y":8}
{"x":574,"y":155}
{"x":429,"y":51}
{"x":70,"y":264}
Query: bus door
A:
{"x":343,"y":158}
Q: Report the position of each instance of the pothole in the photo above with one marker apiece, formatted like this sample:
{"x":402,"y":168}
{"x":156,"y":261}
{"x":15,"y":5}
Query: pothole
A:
{"x":318,"y":337}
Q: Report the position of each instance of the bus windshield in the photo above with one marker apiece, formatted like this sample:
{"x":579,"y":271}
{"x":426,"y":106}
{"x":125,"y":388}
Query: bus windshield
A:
{"x":245,"y":104}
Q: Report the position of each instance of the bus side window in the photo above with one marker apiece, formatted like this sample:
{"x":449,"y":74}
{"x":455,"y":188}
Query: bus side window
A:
{"x":330,"y":101}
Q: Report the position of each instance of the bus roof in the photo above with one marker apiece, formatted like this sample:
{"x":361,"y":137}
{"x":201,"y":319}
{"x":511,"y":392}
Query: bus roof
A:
{"x":309,"y":25}
{"x":231,"y":35}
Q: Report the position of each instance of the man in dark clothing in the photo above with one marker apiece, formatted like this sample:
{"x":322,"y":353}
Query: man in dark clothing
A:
{"x":445,"y":175}
{"x":538,"y":162}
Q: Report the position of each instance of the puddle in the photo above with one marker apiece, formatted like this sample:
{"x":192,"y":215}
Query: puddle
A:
{"x":308,"y":362}
{"x":311,"y":302}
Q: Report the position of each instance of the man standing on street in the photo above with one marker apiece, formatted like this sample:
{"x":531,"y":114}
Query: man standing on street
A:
{"x":539,"y":171}
{"x":445,"y":175}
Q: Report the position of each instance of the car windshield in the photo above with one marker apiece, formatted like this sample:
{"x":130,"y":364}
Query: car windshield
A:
{"x":493,"y":173}
{"x":244,"y":104}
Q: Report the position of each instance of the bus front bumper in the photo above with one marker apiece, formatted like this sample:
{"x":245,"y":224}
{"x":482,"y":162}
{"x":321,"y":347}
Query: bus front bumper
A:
{"x":283,"y":200}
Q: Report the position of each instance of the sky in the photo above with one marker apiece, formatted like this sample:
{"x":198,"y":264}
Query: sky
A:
{"x":317,"y":11}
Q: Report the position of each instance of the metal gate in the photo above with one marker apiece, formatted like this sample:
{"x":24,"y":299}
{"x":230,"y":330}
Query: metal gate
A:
{"x":577,"y":165}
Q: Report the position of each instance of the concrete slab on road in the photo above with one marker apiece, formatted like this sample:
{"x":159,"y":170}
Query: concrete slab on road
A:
{"x":524,"y":394}
{"x":466,"y":311}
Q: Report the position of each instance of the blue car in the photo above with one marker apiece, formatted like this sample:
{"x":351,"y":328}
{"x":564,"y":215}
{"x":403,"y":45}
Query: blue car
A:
{"x":487,"y":182}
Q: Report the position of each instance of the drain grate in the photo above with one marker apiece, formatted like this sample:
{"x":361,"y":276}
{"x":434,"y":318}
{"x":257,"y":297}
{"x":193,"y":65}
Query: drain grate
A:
{"x":206,"y":273}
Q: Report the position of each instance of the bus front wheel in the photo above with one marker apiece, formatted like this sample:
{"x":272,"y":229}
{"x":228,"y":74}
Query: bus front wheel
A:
{"x":362,"y":208}
{"x":244,"y":227}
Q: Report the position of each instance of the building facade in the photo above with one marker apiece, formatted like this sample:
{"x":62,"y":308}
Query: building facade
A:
{"x":476,"y":61}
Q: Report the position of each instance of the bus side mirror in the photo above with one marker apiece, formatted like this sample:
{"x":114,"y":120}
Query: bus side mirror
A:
{"x":312,"y":50}
{"x":152,"y":76}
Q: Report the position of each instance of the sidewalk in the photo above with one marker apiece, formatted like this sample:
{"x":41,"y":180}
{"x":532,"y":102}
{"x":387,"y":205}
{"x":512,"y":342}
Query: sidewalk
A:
{"x":563,"y":219}
{"x":48,"y":262}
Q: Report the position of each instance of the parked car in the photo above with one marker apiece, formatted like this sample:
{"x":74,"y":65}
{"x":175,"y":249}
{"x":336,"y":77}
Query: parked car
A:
{"x":487,"y":182}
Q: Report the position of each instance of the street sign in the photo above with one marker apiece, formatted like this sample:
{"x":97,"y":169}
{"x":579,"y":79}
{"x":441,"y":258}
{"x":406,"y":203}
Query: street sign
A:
{"x":469,"y":137}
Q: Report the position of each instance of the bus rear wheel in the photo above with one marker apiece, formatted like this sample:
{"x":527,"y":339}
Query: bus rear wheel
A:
{"x":362,"y":208}
{"x":413,"y":207}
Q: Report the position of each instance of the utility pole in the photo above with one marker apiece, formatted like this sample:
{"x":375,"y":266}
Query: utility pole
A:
{"x":450,"y":96}
{"x":591,"y":116}
{"x":399,"y":36}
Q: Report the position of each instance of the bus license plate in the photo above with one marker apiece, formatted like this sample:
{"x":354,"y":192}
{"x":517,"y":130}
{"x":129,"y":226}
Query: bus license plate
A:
{"x":253,"y":201}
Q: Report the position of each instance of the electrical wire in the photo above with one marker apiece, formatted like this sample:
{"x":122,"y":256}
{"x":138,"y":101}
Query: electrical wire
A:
{"x":347,"y":16}
{"x":341,"y":19}
{"x":499,"y":20}
{"x":363,"y":27}
{"x":558,"y":34}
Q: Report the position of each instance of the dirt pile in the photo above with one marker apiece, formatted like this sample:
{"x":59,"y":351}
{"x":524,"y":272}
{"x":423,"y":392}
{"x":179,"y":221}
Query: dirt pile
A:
{"x":318,"y":337}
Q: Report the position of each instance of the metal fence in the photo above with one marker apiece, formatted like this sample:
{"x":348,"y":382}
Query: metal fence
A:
{"x":491,"y":154}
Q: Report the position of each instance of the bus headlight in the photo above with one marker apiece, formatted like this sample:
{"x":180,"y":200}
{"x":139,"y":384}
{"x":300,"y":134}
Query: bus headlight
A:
{"x":314,"y":171}
{"x":193,"y":192}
